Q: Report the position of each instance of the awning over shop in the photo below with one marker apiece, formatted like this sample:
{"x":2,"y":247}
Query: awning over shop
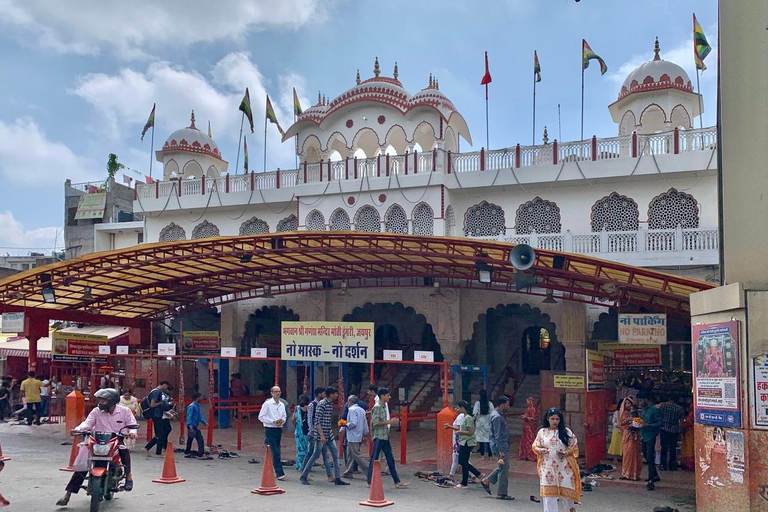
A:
{"x":19,"y":347}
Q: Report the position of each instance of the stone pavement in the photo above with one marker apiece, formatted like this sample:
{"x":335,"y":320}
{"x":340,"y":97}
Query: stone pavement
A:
{"x":31,"y":481}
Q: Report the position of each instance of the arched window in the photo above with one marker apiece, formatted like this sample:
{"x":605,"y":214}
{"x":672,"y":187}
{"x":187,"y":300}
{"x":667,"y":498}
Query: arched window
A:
{"x":205,"y":230}
{"x":537,"y":215}
{"x":395,"y":220}
{"x":315,"y":221}
{"x":423,"y":220}
{"x":339,"y":221}
{"x":367,"y":219}
{"x":450,"y":220}
{"x":672,"y":209}
{"x":615,"y":213}
{"x":172,"y":233}
{"x":290,"y":223}
{"x":254,"y":226}
{"x":484,"y":219}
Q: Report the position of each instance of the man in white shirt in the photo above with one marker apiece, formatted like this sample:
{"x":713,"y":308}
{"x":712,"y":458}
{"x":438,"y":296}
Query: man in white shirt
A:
{"x":45,"y":396}
{"x":273,"y":416}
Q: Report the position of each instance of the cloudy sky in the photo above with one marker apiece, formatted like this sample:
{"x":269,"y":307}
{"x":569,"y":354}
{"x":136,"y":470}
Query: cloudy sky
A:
{"x":80,"y":77}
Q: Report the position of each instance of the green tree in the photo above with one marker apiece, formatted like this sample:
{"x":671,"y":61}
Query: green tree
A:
{"x":113,"y":166}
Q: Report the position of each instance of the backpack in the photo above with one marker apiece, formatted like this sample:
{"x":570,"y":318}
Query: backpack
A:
{"x":146,"y":411}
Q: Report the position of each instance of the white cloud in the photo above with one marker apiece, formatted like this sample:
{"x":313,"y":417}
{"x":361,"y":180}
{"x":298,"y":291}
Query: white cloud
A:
{"x":15,"y":239}
{"x":134,"y":29}
{"x":29,"y":156}
{"x":123,"y":101}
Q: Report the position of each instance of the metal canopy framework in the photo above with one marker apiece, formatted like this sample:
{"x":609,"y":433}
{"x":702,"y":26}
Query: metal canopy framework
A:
{"x":155,"y":280}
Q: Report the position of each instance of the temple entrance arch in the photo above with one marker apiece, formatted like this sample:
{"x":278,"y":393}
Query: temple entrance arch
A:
{"x":262,"y":330}
{"x":396,"y":327}
{"x":514,"y":340}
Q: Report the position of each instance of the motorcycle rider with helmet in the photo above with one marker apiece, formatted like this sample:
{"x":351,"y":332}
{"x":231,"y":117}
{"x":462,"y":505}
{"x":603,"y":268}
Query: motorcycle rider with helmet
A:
{"x":109,"y":416}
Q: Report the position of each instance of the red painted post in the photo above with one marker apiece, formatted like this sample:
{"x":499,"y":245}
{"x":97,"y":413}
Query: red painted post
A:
{"x":321,"y":170}
{"x":482,"y":159}
{"x":253,"y":181}
{"x":677,"y":141}
{"x":179,"y":186}
{"x":209,"y":437}
{"x":517,"y":156}
{"x":594,"y":148}
{"x":378,"y":166}
{"x":406,"y":162}
{"x":354,"y":163}
{"x":226,"y":184}
{"x":415,"y":162}
{"x":554,"y":152}
{"x":157,"y":189}
{"x":202,"y":188}
{"x":634,"y":144}
{"x":403,"y":433}
{"x":329,"y":169}
{"x":449,"y":162}
{"x":445,"y":384}
{"x":239,"y":429}
{"x":346,"y":169}
{"x":434,"y":159}
{"x":277,"y":177}
{"x":305,"y":171}
{"x":387,"y":162}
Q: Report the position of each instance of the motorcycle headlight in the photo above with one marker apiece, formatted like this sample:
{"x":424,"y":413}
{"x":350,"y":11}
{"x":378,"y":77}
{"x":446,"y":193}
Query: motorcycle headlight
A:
{"x":101,"y":450}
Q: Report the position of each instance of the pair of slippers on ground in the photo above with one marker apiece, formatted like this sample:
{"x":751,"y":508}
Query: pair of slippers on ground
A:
{"x":487,"y":488}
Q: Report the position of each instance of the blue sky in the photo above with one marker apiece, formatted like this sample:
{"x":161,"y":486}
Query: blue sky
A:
{"x":80,"y":76}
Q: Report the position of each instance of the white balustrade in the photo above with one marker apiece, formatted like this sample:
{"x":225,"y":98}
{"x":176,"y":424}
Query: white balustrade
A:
{"x":425,"y":162}
{"x":622,"y":241}
{"x":501,"y":159}
{"x":313,"y":173}
{"x":661,"y":240}
{"x":614,"y":147}
{"x":237,"y":183}
{"x":397,"y":164}
{"x":550,"y":242}
{"x":466,"y":162}
{"x":265,"y":180}
{"x":700,"y":239}
{"x":574,"y":151}
{"x":586,"y":243}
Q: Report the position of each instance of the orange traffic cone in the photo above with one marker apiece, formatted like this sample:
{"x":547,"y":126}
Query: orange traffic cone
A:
{"x":169,"y":468}
{"x":3,"y":457}
{"x":268,"y":485}
{"x":376,"y":497}
{"x":72,"y":456}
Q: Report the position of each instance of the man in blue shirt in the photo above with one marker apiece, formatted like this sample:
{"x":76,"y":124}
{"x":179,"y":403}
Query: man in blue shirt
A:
{"x":356,"y":434}
{"x":649,"y":432}
{"x":194,"y":419}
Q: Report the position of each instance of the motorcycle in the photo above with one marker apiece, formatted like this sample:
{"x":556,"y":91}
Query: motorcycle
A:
{"x":106,"y":474}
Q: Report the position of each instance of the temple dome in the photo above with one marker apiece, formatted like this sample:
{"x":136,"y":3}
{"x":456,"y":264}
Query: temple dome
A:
{"x":654,"y":75}
{"x":193,"y":140}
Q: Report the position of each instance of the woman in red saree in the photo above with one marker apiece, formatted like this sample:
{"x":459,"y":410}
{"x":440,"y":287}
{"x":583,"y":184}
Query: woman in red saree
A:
{"x":530,"y":428}
{"x":631,"y":447}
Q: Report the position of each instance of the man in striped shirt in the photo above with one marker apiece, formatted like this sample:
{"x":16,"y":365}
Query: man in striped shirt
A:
{"x":319,"y":396}
{"x":323,"y":434}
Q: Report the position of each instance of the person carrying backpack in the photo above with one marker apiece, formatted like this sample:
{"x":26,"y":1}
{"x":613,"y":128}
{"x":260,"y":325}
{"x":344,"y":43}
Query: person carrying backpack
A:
{"x":153,"y":406}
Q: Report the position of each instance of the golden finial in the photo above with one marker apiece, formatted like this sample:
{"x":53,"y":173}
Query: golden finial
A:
{"x":395,"y":74}
{"x":546,"y":136}
{"x":656,"y":49}
{"x":192,"y":118}
{"x":357,"y":80}
{"x":376,"y":70}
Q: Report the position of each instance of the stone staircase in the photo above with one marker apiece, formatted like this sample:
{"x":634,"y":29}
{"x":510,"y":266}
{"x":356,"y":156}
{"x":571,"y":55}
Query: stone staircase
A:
{"x":414,"y":379}
{"x":530,"y":386}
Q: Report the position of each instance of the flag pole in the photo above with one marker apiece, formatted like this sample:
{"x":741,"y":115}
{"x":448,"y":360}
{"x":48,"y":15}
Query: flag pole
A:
{"x":239,"y":141}
{"x":698,"y":92}
{"x":533,"y":138}
{"x":296,"y":156}
{"x":152,"y":150}
{"x":487,"y":144}
{"x":582,"y":103}
{"x":265,"y":143}
{"x":559,"y":126}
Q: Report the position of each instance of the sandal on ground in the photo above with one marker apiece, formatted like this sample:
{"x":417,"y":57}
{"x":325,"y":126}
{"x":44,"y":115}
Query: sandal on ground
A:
{"x":254,"y":461}
{"x":535,"y":499}
{"x":401,"y":485}
{"x":128,"y":487}
{"x":63,"y":502}
{"x":486,"y":486}
{"x":205,"y":457}
{"x":505,"y":497}
{"x":459,"y":486}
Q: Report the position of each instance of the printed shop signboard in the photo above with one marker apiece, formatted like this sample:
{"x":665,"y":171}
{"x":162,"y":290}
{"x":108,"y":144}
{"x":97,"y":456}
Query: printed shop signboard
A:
{"x":760,"y":392}
{"x":337,"y":342}
{"x":77,"y":347}
{"x":649,"y":328}
{"x":716,"y":374}
{"x":631,"y":355}
{"x":595,"y":370}
{"x":201,"y":341}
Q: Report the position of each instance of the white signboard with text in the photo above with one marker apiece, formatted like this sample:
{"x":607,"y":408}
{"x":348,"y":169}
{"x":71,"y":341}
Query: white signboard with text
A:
{"x":13,"y":323}
{"x":393,"y":355}
{"x":645,"y":329}
{"x":259,"y":353}
{"x":423,"y":356}
{"x":166,"y":349}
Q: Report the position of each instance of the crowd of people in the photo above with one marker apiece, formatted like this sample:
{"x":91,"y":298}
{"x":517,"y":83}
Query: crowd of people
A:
{"x":27,"y":400}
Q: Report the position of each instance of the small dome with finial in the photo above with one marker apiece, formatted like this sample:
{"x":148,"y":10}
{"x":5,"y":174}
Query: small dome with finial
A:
{"x":656,"y":74}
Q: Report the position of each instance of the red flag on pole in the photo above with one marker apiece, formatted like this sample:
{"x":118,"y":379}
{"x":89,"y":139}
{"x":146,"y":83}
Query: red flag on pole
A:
{"x":486,"y":77}
{"x":148,"y":179}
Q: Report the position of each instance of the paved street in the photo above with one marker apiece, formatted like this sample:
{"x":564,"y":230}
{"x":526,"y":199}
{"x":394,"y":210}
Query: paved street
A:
{"x":31,"y":481}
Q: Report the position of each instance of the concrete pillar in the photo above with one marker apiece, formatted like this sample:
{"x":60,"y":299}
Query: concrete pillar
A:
{"x":572,"y":333}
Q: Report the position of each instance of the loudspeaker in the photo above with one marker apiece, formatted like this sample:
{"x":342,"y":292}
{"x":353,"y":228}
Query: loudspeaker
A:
{"x":558,"y":262}
{"x":522,"y":257}
{"x":524,"y":280}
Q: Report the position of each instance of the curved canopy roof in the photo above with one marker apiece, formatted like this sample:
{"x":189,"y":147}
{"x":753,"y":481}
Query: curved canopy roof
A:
{"x":154,"y":280}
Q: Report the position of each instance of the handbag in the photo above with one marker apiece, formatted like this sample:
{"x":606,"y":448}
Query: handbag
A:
{"x":83,"y":458}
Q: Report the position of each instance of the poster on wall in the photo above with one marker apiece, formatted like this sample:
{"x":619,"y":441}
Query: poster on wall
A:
{"x":91,"y":206}
{"x":648,"y":328}
{"x":201,"y":341}
{"x":345,"y":342}
{"x":69,"y":346}
{"x":716,"y":374}
{"x":759,"y":392}
{"x":595,"y":370}
{"x":12,"y":323}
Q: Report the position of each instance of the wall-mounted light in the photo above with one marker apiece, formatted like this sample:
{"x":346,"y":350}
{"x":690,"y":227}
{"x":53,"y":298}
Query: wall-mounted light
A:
{"x":344,"y":292}
{"x":49,"y":297}
{"x":267,"y":292}
{"x":484,"y":270}
{"x":436,"y":292}
{"x":550,"y":298}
